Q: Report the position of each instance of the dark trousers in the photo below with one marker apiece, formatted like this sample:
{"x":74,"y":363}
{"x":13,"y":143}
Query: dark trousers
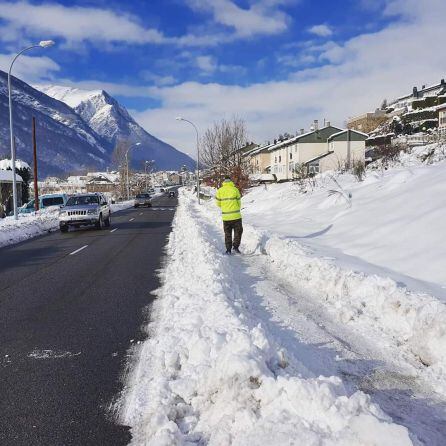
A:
{"x":237,"y":227}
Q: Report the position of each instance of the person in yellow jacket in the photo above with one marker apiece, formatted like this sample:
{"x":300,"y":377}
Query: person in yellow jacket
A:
{"x":228,"y":199}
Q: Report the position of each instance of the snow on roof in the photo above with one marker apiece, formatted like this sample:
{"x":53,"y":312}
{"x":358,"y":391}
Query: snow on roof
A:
{"x":258,"y":150}
{"x":296,"y":138}
{"x":6,"y":176}
{"x":19,"y":164}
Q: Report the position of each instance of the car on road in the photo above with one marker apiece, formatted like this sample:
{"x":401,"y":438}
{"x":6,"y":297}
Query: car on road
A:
{"x":45,"y":201}
{"x":85,"y":210}
{"x":171,"y":194}
{"x":143,"y":200}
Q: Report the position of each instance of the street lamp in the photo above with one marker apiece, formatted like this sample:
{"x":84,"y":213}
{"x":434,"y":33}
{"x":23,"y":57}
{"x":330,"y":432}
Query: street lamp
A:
{"x":42,"y":44}
{"x":127,"y":164}
{"x":179,"y":118}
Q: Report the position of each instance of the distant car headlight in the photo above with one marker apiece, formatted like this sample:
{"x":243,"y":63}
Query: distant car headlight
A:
{"x":93,"y":211}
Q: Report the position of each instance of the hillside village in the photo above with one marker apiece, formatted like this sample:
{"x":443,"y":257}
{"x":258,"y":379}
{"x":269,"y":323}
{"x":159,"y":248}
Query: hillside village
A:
{"x":411,"y":120}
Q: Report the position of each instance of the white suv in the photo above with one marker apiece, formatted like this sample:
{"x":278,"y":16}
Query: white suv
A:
{"x":84,"y":210}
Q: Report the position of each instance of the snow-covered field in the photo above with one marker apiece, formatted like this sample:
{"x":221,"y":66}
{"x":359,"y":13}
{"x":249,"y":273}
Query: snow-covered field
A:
{"x":37,"y":223}
{"x":324,"y":332}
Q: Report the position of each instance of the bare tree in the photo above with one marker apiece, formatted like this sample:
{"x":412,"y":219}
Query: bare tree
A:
{"x":119,"y":162}
{"x":222,"y":151}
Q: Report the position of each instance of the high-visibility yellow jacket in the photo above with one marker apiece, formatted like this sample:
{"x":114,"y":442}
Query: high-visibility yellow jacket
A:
{"x":228,"y":198}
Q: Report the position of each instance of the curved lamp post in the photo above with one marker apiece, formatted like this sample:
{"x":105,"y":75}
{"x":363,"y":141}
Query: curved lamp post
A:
{"x":127,"y":165}
{"x":42,"y":44}
{"x":179,"y":118}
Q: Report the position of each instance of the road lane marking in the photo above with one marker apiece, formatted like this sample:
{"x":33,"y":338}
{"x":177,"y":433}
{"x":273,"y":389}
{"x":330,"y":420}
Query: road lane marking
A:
{"x":131,"y":219}
{"x":113,"y":230}
{"x":140,"y":213}
{"x":77,"y":250}
{"x":50,"y":354}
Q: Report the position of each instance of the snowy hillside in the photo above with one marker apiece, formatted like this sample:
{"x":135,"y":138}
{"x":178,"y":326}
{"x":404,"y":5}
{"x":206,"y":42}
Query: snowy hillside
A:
{"x":112,"y":121}
{"x":392,"y":223}
{"x":65,"y":141}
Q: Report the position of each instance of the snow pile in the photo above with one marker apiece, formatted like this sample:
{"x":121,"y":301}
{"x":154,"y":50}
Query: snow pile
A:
{"x":209,"y":374}
{"x":28,"y":226}
{"x":393,"y":220}
{"x":412,"y":320}
{"x":6,"y":164}
{"x":38,"y":223}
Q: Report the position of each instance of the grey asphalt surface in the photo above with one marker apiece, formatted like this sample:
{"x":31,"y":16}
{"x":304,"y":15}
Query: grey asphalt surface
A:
{"x":67,"y":323}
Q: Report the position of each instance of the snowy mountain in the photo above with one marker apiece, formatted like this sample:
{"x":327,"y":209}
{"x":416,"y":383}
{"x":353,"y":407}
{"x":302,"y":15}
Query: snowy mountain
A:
{"x":65,"y":141}
{"x":112,"y":122}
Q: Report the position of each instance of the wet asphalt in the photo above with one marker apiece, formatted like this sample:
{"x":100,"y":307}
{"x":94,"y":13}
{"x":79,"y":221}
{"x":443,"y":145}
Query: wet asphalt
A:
{"x":68,"y":318}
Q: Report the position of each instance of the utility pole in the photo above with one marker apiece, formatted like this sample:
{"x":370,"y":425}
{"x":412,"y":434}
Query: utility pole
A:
{"x":348,"y":150}
{"x":36,"y":187}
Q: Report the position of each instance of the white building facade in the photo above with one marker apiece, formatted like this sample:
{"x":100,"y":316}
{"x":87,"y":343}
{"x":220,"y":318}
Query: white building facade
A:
{"x":329,"y":148}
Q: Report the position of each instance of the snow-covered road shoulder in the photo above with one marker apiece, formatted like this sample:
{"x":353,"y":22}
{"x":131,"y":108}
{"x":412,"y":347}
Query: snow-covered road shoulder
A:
{"x":211,"y":374}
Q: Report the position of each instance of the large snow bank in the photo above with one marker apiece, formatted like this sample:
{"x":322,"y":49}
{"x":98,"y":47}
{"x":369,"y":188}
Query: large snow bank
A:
{"x":394,"y":219}
{"x":209,"y":374}
{"x":372,"y":252}
{"x":414,"y":321}
{"x":28,"y":226}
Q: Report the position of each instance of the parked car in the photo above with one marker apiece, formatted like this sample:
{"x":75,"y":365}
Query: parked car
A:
{"x":45,"y":201}
{"x":143,"y":200}
{"x":85,"y":210}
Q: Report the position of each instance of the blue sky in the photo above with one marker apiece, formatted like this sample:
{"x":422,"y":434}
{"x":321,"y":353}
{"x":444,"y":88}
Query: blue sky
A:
{"x":278,"y":64}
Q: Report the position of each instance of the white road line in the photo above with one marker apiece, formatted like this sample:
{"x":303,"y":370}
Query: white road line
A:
{"x":131,"y":219}
{"x":77,"y":250}
{"x":113,"y":230}
{"x":140,"y":213}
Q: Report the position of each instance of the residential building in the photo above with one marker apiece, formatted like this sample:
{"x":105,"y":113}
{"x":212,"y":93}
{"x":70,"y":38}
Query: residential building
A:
{"x":286,"y":155}
{"x":367,"y":122}
{"x":101,"y":183}
{"x":404,"y":103}
{"x":6,"y":189}
{"x":259,"y":159}
{"x":442,"y":120}
{"x":320,"y":150}
{"x":343,"y":149}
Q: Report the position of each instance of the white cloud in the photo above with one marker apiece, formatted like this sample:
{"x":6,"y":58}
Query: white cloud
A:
{"x":76,"y":23}
{"x":207,"y":64}
{"x":321,"y":30}
{"x":356,"y":77}
{"x":31,"y":68}
{"x":157,"y":79}
{"x":262,"y":17}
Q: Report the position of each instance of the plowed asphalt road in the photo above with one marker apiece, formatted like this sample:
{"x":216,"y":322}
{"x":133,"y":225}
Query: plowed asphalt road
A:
{"x":67,"y":320}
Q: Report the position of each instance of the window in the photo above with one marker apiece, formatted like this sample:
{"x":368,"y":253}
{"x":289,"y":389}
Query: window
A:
{"x":52,"y":201}
{"x":275,"y":159}
{"x":313,"y":167}
{"x":82,"y":200}
{"x":291,"y":156}
{"x":280,"y":158}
